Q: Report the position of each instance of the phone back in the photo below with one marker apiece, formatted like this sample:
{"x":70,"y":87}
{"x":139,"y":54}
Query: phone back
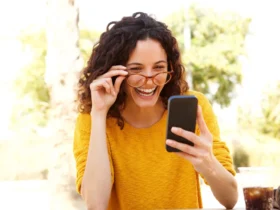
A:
{"x":182,"y":111}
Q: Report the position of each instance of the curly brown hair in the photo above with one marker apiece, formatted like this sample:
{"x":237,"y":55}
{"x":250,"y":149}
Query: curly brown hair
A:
{"x":114,"y":48}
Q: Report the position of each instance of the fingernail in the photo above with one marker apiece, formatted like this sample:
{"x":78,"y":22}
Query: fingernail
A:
{"x":169,"y":141}
{"x":174,"y":129}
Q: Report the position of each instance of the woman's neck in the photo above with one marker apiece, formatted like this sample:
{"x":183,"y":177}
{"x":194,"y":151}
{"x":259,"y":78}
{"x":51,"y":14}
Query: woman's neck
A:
{"x":142,"y":117}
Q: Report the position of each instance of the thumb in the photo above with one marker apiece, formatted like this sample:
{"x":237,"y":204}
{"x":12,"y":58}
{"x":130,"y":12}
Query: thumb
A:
{"x":118,"y":83}
{"x":201,"y":122}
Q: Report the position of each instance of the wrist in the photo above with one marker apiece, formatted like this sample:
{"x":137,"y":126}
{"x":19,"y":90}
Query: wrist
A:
{"x":98,"y":120}
{"x":212,"y":168}
{"x":97,"y":114}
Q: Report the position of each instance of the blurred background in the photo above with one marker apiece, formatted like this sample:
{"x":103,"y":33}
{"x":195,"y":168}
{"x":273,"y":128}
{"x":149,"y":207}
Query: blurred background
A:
{"x":229,"y":48}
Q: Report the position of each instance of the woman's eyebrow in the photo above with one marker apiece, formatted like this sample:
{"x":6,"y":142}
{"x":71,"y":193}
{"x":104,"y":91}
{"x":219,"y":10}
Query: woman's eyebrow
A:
{"x":161,"y":61}
{"x":130,"y":64}
{"x":135,"y":63}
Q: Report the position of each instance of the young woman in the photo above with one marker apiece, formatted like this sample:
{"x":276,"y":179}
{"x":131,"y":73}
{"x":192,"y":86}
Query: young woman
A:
{"x":119,"y":143}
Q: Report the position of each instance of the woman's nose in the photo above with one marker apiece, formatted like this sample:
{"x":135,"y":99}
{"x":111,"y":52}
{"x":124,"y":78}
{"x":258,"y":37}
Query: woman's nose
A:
{"x":148,"y":72}
{"x":150,"y":81}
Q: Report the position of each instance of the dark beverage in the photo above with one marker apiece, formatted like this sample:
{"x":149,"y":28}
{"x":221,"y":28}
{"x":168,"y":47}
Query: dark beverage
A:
{"x":277,"y":198}
{"x":258,"y":198}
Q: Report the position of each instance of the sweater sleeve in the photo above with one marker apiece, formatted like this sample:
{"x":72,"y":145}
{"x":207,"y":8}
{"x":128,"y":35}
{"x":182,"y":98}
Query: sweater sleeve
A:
{"x":80,"y":148}
{"x":220,"y":149}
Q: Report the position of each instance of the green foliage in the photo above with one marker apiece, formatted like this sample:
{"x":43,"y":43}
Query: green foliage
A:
{"x":87,"y":41}
{"x":270,"y":123}
{"x":33,"y":102}
{"x":176,"y":23}
{"x":267,"y":121}
{"x":240,"y":158}
{"x":29,"y":85}
{"x":217,"y":42}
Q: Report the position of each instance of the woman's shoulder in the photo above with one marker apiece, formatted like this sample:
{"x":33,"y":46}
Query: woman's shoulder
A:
{"x":202,"y":99}
{"x":83,"y":121}
{"x":207,"y":109}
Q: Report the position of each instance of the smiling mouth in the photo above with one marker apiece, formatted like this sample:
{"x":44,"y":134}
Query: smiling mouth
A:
{"x":146,"y":92}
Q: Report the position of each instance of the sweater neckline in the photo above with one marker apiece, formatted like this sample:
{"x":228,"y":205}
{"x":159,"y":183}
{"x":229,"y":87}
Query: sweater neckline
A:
{"x":154,"y":126}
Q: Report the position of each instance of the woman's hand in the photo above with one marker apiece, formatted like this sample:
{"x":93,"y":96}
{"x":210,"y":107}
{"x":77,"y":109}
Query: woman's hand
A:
{"x":103,"y":91}
{"x":221,"y":181}
{"x":201,"y":154}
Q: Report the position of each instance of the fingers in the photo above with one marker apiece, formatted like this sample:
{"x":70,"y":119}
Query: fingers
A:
{"x":118,"y":83}
{"x":118,"y":67}
{"x":107,"y":86}
{"x":105,"y":80}
{"x":187,"y":156}
{"x":115,"y":71}
{"x":185,"y":148}
{"x":112,"y":89}
{"x":193,"y":154}
{"x":200,"y":121}
{"x":187,"y":152}
{"x":105,"y":83}
{"x":186,"y":134}
{"x":190,"y":135}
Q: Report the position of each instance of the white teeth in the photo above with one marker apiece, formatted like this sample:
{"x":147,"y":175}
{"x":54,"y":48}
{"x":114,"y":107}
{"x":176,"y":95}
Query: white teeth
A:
{"x":146,"y":90}
{"x":145,"y":94}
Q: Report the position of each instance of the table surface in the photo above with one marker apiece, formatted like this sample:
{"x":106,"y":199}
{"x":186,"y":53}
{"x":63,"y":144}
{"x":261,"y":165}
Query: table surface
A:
{"x":209,"y":209}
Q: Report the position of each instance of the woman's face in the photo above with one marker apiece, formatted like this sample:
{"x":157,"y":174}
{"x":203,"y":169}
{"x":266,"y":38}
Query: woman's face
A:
{"x":148,"y":59}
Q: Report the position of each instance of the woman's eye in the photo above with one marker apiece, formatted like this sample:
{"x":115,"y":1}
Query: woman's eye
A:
{"x":135,"y":69}
{"x":159,"y":67}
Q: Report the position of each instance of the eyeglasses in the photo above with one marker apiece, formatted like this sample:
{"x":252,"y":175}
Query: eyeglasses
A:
{"x":138,"y":80}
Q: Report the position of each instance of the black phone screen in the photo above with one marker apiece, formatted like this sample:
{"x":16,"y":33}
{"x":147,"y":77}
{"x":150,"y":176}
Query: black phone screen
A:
{"x":182,"y":111}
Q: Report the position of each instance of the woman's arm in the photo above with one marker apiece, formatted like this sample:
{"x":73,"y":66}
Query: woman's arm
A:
{"x":96,"y":184}
{"x":209,"y":156}
{"x":222,"y":183}
{"x":94,"y":168}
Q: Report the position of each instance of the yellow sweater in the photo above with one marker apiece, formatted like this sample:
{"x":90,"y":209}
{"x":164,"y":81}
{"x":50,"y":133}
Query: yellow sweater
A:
{"x":144,"y":175}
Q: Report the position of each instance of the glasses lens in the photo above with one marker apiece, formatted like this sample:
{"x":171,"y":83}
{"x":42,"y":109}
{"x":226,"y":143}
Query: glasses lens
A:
{"x":162,"y":78}
{"x":136,"y":80}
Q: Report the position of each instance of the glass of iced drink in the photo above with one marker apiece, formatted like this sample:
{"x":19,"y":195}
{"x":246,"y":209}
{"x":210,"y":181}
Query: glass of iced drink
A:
{"x":257,"y":187}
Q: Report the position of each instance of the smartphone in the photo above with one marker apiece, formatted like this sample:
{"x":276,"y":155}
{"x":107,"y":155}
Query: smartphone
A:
{"x":182,"y":111}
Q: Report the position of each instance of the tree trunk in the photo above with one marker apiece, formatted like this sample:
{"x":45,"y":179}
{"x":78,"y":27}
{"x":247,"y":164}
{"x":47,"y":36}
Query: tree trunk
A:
{"x":63,"y":62}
